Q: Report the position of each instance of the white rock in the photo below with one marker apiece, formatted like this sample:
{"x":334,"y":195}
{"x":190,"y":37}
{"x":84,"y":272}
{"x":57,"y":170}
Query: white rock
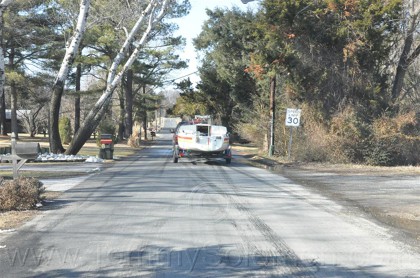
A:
{"x":7,"y":231}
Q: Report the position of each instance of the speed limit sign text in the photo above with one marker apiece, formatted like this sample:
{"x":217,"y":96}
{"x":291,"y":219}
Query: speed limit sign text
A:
{"x":293,"y":117}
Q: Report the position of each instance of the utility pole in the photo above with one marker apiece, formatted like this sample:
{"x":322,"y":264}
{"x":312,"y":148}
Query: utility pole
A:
{"x":273,"y":85}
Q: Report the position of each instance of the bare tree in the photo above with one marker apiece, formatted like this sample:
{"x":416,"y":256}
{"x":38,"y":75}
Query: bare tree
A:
{"x":155,"y":11}
{"x":410,"y":52}
{"x":410,"y":98}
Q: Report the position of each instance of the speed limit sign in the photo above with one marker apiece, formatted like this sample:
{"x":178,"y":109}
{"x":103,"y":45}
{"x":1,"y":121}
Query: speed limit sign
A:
{"x":293,"y":117}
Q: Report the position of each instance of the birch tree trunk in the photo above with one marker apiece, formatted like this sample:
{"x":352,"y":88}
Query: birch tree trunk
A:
{"x":3,"y":6}
{"x":95,"y":115}
{"x":77,"y":98}
{"x":58,"y":87}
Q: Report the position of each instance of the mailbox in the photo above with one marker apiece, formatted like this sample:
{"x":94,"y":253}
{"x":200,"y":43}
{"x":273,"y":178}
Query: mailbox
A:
{"x":107,"y":146}
{"x":106,"y":139}
{"x":27,"y":150}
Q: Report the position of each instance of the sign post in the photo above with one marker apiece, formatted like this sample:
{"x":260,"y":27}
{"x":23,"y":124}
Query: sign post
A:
{"x":14,"y":157}
{"x":292,"y":120}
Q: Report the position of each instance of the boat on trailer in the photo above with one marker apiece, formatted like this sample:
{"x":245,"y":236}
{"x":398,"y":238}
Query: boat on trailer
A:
{"x":202,"y":139}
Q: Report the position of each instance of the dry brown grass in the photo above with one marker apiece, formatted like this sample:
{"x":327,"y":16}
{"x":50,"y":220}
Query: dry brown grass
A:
{"x":357,"y":169}
{"x":120,"y":149}
{"x":340,"y":168}
{"x":245,"y":148}
{"x":403,"y":124}
{"x":14,"y":219}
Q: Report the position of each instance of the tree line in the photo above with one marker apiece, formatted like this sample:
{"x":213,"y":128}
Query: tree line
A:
{"x":351,"y":66}
{"x":121,"y":50}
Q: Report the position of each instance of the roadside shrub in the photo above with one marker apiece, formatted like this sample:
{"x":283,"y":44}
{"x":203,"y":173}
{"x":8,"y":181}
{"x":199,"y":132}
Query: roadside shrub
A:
{"x":134,"y":139}
{"x":351,"y":134}
{"x":387,"y":141}
{"x":407,"y":124}
{"x":377,"y":154}
{"x":395,"y":140}
{"x":317,"y":144}
{"x":253,"y":133}
{"x":20,"y":194}
{"x":65,"y":130}
{"x":313,"y":145}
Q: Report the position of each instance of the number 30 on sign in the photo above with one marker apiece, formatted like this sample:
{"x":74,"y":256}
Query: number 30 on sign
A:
{"x":293,"y":117}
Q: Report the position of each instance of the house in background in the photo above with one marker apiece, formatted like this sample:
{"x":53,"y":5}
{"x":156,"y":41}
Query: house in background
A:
{"x":21,"y":116}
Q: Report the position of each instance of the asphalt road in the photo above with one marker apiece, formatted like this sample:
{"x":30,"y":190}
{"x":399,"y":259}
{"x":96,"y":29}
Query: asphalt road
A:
{"x":149,"y":217}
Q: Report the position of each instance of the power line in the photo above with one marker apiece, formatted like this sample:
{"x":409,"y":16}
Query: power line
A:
{"x":172,"y":80}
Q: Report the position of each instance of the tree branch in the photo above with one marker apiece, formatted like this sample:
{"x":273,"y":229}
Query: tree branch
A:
{"x":5,"y":3}
{"x":413,"y":56}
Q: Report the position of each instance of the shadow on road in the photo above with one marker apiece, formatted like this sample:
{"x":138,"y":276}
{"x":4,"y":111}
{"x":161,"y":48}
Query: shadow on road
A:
{"x":208,"y":261}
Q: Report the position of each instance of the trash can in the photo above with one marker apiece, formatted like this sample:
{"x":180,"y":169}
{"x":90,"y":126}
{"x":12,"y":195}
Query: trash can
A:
{"x":107,"y":147}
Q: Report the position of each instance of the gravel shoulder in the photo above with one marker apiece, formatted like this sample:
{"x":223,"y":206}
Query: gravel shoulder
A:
{"x":388,"y":196}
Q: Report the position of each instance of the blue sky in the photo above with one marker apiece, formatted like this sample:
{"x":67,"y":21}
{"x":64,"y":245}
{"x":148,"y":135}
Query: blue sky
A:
{"x":190,"y":27}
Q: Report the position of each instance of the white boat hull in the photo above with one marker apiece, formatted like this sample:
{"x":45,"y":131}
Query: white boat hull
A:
{"x":203,"y":143}
{"x":203,"y":138}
